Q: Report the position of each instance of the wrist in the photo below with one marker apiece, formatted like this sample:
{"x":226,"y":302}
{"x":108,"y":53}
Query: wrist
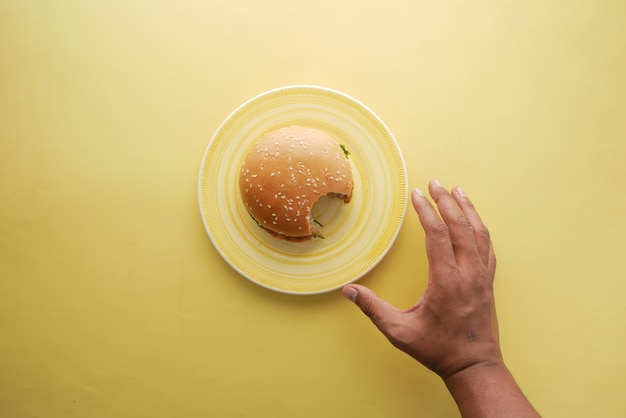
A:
{"x":477,"y":371}
{"x":488,"y":389}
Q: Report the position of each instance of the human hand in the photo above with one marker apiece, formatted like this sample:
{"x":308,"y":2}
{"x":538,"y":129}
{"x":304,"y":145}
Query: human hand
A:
{"x":453,"y":326}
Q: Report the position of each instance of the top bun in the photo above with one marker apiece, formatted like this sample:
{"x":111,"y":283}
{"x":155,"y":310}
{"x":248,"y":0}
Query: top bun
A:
{"x":285,"y":172}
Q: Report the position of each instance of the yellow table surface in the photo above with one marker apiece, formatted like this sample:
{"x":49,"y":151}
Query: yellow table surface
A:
{"x":113,"y":301}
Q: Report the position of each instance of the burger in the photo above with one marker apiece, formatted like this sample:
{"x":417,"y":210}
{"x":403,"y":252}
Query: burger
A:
{"x":285,"y":172}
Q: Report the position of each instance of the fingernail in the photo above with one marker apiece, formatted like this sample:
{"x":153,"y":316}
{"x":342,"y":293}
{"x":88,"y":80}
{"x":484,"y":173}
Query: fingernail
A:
{"x":418,"y":192}
{"x":350,"y":293}
{"x":437,"y":183}
{"x":460,"y":191}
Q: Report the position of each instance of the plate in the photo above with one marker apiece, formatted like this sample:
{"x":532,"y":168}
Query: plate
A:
{"x":357,"y":235}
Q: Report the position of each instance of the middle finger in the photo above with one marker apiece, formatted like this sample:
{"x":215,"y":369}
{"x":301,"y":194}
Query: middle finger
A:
{"x":461,"y":230}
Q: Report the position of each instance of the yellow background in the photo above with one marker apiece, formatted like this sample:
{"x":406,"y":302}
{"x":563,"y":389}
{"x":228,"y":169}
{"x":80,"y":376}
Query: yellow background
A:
{"x":114,"y":303}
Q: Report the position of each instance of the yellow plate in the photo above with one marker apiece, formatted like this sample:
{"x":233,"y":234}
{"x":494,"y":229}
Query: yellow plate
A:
{"x":357,"y":234}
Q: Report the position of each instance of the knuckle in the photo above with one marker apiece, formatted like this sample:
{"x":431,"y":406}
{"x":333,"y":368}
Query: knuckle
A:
{"x":448,"y":268}
{"x":482,"y":289}
{"x":371,"y":307}
{"x":484,"y":233}
{"x":468,"y":203}
{"x":441,"y":229}
{"x":462,"y":222}
{"x":367,"y":306}
{"x":493,"y":260}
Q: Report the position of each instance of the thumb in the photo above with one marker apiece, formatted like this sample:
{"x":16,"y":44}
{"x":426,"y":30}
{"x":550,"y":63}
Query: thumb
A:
{"x":381,"y":312}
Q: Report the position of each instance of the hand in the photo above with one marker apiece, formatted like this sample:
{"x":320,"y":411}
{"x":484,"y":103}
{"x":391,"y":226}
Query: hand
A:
{"x":453,"y":329}
{"x":453,"y":326}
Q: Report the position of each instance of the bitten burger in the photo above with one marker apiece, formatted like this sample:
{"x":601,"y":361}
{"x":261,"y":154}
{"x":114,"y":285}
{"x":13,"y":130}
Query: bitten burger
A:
{"x":285,"y":172}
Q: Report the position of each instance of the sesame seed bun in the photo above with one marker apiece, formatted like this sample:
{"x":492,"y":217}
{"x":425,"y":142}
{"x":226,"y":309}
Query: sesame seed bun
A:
{"x":285,"y":172}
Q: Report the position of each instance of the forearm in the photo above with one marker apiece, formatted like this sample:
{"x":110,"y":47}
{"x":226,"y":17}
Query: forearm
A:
{"x":488,"y":390}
